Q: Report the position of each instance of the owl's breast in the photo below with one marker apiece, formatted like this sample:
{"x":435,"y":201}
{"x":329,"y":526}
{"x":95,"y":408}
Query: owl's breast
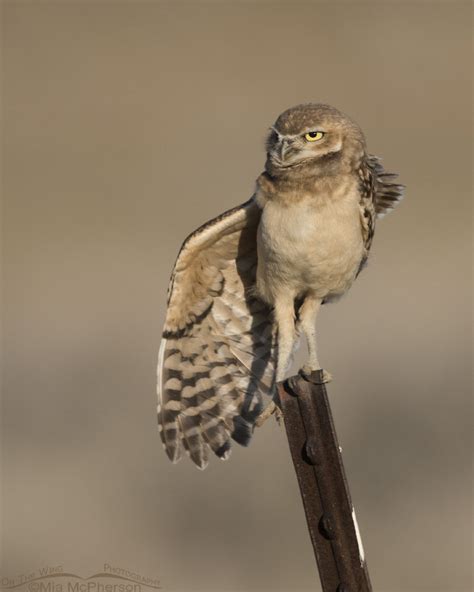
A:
{"x":314,"y":244}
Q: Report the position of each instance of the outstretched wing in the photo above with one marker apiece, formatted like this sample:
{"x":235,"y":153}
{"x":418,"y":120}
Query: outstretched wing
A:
{"x":217,"y":354}
{"x":378,"y":195}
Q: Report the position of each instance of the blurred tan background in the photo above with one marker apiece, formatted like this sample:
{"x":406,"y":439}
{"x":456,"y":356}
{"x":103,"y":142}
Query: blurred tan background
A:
{"x":127,"y":125}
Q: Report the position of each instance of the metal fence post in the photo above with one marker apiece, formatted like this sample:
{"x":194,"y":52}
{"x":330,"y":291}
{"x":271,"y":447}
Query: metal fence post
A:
{"x":326,"y":499}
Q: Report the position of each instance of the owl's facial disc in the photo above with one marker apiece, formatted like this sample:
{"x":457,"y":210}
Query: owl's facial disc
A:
{"x":316,"y":136}
{"x":287,"y":150}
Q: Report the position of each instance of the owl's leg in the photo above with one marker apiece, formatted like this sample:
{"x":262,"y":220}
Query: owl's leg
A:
{"x":307,"y":321}
{"x":285,"y":320}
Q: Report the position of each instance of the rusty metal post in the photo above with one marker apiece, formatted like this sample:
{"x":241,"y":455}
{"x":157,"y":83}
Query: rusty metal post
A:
{"x":326,"y":499}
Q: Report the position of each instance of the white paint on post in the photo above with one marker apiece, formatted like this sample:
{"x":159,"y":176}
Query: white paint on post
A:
{"x":359,"y":539}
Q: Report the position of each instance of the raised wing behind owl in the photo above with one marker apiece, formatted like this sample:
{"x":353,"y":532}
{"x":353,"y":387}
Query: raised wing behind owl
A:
{"x":386,"y":193}
{"x":379,"y":195}
{"x":216,"y":360}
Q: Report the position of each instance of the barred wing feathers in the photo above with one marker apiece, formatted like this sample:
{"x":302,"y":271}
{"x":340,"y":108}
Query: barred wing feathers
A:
{"x":387,"y":193}
{"x":217,"y":355}
{"x":379,"y":194}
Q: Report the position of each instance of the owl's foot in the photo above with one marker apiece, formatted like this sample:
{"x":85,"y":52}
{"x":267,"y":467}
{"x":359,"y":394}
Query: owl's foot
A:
{"x":279,"y":415}
{"x":271,"y":409}
{"x":307,"y":371}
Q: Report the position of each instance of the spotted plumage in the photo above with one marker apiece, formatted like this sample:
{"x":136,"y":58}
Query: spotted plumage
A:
{"x":246,"y":284}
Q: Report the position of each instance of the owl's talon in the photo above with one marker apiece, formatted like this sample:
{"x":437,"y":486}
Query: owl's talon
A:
{"x":271,"y":409}
{"x":326,"y":376}
{"x":278,"y":415}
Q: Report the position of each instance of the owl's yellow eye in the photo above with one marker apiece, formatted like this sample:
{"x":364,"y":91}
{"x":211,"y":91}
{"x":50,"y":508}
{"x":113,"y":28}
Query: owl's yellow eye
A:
{"x":313,"y":136}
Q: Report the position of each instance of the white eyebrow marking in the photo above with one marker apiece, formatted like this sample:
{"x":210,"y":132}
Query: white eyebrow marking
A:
{"x":276,"y":131}
{"x":293,"y":136}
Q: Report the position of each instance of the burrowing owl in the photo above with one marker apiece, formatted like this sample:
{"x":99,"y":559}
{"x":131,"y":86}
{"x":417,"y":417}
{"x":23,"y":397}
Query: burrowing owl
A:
{"x":246,"y":284}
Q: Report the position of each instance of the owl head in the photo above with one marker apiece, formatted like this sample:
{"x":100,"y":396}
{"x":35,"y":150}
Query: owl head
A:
{"x":314,"y":137}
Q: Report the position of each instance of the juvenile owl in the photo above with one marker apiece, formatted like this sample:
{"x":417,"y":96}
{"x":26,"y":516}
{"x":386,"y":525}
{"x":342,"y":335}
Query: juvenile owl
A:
{"x":247,"y":284}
